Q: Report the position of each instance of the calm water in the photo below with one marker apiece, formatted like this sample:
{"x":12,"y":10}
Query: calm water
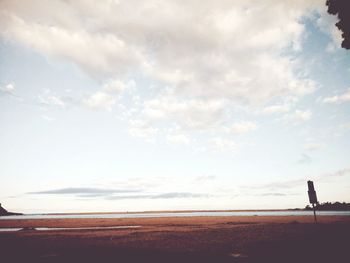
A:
{"x":14,"y":229}
{"x":174,"y":214}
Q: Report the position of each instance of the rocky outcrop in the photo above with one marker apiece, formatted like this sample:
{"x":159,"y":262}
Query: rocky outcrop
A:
{"x":4,"y":212}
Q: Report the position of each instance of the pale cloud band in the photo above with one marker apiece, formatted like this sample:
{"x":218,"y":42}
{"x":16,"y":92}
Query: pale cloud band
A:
{"x":115,"y":194}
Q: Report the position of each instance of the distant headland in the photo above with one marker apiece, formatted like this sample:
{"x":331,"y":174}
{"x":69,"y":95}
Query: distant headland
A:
{"x":4,"y":212}
{"x":328,"y":206}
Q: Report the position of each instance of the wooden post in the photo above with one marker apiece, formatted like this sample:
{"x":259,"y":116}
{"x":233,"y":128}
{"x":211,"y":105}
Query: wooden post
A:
{"x":313,"y":208}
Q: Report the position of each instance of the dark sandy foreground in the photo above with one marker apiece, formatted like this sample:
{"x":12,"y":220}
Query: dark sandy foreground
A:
{"x":187,"y":239}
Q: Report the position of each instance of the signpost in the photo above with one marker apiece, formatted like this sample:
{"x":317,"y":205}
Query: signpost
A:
{"x":312,"y":197}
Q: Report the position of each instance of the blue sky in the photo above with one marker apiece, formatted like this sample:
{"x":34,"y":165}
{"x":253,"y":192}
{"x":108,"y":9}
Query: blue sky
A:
{"x":129,"y":106}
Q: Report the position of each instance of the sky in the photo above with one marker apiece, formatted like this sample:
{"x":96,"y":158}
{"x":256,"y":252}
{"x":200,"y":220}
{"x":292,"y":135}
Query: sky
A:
{"x":171,"y":105}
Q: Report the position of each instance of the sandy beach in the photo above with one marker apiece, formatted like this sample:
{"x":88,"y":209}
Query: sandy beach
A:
{"x":180,"y":239}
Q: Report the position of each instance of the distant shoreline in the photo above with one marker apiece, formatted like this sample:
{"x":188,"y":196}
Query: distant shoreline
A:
{"x":170,"y":211}
{"x":160,"y":212}
{"x":319,"y":209}
{"x":188,"y":212}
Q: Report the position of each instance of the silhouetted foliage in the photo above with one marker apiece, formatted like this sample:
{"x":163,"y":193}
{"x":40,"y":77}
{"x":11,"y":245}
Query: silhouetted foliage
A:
{"x":342,"y":8}
{"x":328,"y":206}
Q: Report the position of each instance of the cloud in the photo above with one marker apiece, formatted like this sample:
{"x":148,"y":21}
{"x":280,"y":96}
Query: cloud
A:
{"x":51,"y":100}
{"x":297,"y":116}
{"x":208,"y":50}
{"x":190,"y":114}
{"x":242,"y":127}
{"x":100,"y":100}
{"x":108,"y":96}
{"x":313,"y":146}
{"x":47,"y":98}
{"x":171,"y":195}
{"x":84,"y":190}
{"x":117,"y":194}
{"x":179,"y":195}
{"x":278,"y":108}
{"x":300,"y":116}
{"x":345,"y":97}
{"x":142,"y":129}
{"x":95,"y":53}
{"x":7,"y":89}
{"x":188,"y":65}
{"x":117,"y":86}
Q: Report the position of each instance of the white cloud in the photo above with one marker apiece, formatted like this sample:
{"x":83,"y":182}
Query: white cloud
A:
{"x":242,"y":127}
{"x":117,"y":86}
{"x":345,"y":97}
{"x":313,"y":146}
{"x":188,"y":114}
{"x":278,"y":108}
{"x":301,"y":116}
{"x":142,"y":129}
{"x":7,"y":89}
{"x":219,"y":144}
{"x":95,"y":53}
{"x":108,"y":96}
{"x":51,"y":100}
{"x":100,"y":100}
{"x":207,"y":49}
{"x":203,"y":58}
{"x":333,"y":99}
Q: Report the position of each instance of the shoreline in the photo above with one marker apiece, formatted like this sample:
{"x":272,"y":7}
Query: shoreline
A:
{"x":176,"y":211}
{"x":162,"y":211}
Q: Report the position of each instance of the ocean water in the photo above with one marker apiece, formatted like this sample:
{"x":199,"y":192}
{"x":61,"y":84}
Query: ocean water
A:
{"x":177,"y":214}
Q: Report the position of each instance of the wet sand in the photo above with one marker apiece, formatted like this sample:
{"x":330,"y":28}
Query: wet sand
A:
{"x":180,"y":239}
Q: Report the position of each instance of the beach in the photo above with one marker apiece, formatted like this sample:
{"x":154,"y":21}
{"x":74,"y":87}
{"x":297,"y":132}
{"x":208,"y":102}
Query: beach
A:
{"x":178,"y":239}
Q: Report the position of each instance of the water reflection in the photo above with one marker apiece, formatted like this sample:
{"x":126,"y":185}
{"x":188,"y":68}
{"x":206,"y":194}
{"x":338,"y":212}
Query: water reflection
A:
{"x":66,"y":228}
